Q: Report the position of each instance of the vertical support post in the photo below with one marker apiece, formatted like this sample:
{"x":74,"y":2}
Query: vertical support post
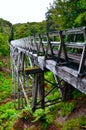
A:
{"x":41,"y":88}
{"x":67,"y":91}
{"x":23,"y":76}
{"x":82,"y":61}
{"x":34,"y":92}
{"x":19,"y":93}
{"x":38,"y":89}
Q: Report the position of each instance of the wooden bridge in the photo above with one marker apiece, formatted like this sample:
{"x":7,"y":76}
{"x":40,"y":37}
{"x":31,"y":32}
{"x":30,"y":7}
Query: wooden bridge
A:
{"x":62,"y":52}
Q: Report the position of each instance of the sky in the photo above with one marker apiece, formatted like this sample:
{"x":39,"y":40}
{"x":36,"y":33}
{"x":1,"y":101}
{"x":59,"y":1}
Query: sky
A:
{"x":22,"y":11}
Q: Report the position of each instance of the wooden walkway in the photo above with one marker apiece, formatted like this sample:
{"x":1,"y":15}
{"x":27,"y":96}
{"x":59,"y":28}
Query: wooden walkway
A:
{"x":62,"y":52}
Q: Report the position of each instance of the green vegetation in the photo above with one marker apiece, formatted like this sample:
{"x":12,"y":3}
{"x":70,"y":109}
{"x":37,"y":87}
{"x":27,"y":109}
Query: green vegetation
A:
{"x":75,"y":124}
{"x":27,"y":29}
{"x":5,"y":86}
{"x":5,"y":33}
{"x":64,"y":14}
{"x":8,"y":115}
{"x":67,"y":108}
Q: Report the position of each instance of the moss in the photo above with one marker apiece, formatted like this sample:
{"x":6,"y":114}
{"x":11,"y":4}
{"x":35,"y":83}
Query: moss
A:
{"x":32,"y":128}
{"x":75,"y":124}
{"x":58,"y":124}
{"x":67,"y":108}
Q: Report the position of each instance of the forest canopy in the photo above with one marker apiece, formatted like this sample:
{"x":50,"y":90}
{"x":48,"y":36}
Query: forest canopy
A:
{"x":5,"y":34}
{"x":64,"y":14}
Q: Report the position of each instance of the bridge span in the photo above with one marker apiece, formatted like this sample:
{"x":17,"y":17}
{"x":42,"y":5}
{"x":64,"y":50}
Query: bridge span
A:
{"x":62,"y":52}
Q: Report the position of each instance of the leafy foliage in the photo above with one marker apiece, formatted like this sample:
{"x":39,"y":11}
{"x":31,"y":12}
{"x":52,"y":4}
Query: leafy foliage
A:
{"x":5,"y":83}
{"x":64,"y":14}
{"x":4,"y":45}
{"x":27,"y":29}
{"x":8,"y":116}
{"x":45,"y":116}
{"x":5,"y":31}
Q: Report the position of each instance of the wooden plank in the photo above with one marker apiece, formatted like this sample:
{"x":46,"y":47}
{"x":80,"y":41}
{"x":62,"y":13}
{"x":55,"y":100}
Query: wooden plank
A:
{"x":32,"y":70}
{"x":67,"y":74}
{"x":78,"y":30}
{"x":74,"y":45}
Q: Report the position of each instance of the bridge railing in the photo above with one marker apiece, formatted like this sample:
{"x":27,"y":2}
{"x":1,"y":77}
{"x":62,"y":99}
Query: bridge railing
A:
{"x":61,"y":46}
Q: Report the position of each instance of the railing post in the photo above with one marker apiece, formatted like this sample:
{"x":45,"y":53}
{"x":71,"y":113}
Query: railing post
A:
{"x":62,"y":47}
{"x":82,"y":61}
{"x":48,"y":48}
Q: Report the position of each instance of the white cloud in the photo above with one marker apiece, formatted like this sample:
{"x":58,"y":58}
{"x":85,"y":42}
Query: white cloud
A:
{"x":20,"y":11}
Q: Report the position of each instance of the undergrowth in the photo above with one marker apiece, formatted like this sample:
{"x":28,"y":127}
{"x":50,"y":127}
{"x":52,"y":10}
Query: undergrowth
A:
{"x":8,"y":115}
{"x":75,"y":124}
{"x":47,"y":116}
{"x":5,"y":86}
{"x":67,"y":108}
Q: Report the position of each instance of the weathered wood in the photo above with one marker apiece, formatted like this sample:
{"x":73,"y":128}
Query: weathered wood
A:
{"x":19,"y":83}
{"x":78,"y":30}
{"x":77,"y":45}
{"x":62,"y":48}
{"x":41,"y":88}
{"x":67,"y":91}
{"x":54,"y":57}
{"x":38,"y":88}
{"x":32,"y":70}
{"x":49,"y":49}
{"x":67,"y":74}
{"x":82,"y":62}
{"x":34,"y":92}
{"x":23,"y":90}
{"x":40,"y":47}
{"x":50,"y":66}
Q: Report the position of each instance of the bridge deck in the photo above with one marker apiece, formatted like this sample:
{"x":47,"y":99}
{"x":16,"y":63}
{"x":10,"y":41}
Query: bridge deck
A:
{"x":67,"y":71}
